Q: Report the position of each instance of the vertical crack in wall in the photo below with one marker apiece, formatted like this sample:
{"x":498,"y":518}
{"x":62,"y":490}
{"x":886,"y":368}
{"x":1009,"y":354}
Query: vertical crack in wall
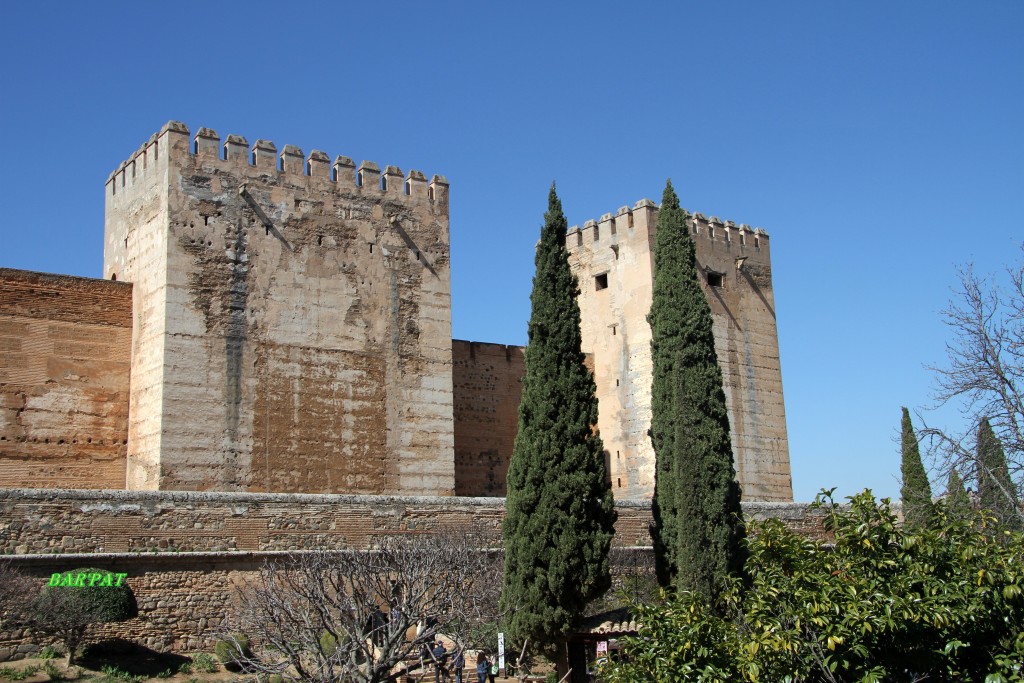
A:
{"x":234,"y":344}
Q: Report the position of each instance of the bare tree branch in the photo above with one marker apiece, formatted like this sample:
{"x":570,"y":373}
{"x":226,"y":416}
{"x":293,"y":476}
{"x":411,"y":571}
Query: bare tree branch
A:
{"x":365,"y":615}
{"x":983,"y":374}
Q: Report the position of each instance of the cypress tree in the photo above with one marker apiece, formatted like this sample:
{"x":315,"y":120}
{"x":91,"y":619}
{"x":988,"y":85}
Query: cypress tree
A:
{"x":560,"y":513}
{"x":996,"y":491}
{"x":698,"y":526}
{"x":915,"y":493}
{"x":957,"y":499}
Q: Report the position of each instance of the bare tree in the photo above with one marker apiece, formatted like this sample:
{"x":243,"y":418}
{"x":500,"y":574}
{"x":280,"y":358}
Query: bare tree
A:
{"x":362,"y":615}
{"x":984,"y":374}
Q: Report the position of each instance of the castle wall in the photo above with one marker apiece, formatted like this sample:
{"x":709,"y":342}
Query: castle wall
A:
{"x":613,"y":259}
{"x":184,"y":551}
{"x":64,"y":348}
{"x":487,"y":380}
{"x":293,"y":325}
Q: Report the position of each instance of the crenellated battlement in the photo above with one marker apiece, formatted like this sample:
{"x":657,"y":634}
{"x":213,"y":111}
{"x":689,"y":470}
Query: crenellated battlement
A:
{"x":644,"y":215}
{"x":173,"y":142}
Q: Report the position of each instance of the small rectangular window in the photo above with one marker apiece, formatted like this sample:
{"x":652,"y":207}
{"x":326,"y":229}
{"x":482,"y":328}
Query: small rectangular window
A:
{"x":716,"y":279}
{"x":601,"y":282}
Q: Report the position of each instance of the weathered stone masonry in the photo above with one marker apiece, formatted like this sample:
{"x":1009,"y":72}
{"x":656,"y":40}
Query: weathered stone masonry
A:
{"x":64,"y":366}
{"x":183,"y":551}
{"x":291,"y":331}
{"x":292,"y":320}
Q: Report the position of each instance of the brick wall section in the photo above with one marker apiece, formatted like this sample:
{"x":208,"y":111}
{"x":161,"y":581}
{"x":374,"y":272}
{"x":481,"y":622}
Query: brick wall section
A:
{"x":487,"y":383}
{"x":64,"y":364}
{"x":44,"y":521}
{"x":183,"y":551}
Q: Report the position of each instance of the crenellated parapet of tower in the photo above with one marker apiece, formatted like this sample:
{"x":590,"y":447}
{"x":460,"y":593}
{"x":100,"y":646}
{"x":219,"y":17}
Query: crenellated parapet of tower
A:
{"x":643,"y":217}
{"x":262,"y":158}
{"x":613,"y":259}
{"x":292,"y":318}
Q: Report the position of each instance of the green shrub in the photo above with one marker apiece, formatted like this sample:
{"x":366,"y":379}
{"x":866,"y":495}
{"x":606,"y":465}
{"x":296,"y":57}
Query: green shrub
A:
{"x":233,"y":652}
{"x":19,"y":674}
{"x":204,"y":663}
{"x":883,"y":602}
{"x":328,"y":643}
{"x":112,"y":674}
{"x":66,"y":607}
{"x":52,"y":672}
{"x":551,"y":677}
{"x":49,"y":652}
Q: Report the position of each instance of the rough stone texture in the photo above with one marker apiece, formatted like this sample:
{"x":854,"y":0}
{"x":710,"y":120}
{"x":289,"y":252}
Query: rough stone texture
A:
{"x":48,"y":521}
{"x":613,"y":259}
{"x":487,"y":381}
{"x":184,"y":551}
{"x":64,"y":350}
{"x":292,"y":331}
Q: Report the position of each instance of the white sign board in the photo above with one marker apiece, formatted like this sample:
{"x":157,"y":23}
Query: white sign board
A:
{"x":501,"y":651}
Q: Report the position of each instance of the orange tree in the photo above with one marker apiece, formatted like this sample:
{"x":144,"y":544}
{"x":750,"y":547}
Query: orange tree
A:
{"x":882,"y":603}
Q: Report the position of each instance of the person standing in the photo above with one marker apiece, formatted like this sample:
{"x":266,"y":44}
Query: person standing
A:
{"x":493,"y":670}
{"x":482,"y":668}
{"x":458,"y":664}
{"x":440,"y":659}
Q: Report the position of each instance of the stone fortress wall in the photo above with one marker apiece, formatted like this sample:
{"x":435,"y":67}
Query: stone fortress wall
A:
{"x":184,"y":551}
{"x":291,"y":332}
{"x":292,"y":319}
{"x":64,"y":365}
{"x":274,"y":331}
{"x":614,"y":261}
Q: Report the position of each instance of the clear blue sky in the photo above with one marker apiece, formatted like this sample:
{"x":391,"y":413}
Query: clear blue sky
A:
{"x":879,"y":143}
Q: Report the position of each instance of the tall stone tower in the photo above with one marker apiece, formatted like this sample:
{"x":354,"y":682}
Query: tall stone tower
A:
{"x":291,"y":320}
{"x":613,"y":259}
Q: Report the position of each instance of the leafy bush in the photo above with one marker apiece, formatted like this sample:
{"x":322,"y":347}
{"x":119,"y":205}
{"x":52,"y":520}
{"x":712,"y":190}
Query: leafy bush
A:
{"x":112,"y":674}
{"x":66,"y":608}
{"x":328,"y":643}
{"x":49,"y":652}
{"x":52,"y":672}
{"x":233,"y":651}
{"x":19,"y":674}
{"x":884,"y":603}
{"x":551,"y":677}
{"x":204,"y":663}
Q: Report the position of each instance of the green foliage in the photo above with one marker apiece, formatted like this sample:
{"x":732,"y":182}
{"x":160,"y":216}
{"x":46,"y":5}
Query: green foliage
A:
{"x":13,"y":674}
{"x":885,"y":603}
{"x":233,"y":651}
{"x":551,"y":677}
{"x":698,"y":525}
{"x":68,"y":610}
{"x":112,"y":674}
{"x":560,"y":512}
{"x":52,"y":671}
{"x":203,"y":663}
{"x":996,"y":491}
{"x":49,"y":652}
{"x":957,"y":499}
{"x":916,"y":493}
{"x":328,"y":643}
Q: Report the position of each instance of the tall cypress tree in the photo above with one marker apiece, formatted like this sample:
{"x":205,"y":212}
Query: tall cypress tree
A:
{"x":956,"y":496}
{"x":698,"y":528}
{"x":996,"y":491}
{"x":560,"y":513}
{"x":916,"y":492}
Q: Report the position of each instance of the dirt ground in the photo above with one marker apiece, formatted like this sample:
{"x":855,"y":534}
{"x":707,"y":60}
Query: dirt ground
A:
{"x":126,"y":665}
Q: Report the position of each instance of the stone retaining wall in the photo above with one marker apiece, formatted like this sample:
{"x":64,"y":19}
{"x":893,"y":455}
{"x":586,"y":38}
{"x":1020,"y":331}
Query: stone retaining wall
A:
{"x":183,"y":551}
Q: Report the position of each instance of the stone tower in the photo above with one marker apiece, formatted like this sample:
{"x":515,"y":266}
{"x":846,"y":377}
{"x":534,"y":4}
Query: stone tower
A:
{"x":291,"y":319}
{"x":613,"y":259}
